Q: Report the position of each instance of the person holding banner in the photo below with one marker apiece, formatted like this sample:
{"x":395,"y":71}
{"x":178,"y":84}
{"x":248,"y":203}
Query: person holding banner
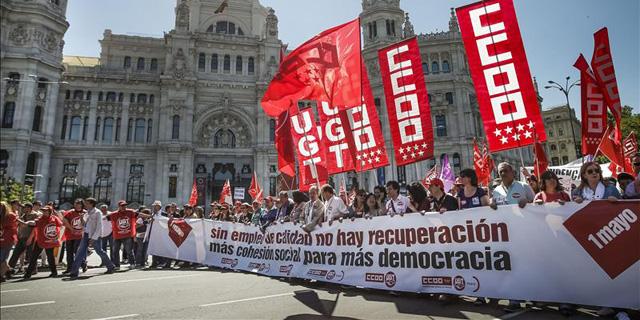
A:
{"x":356,"y":209}
{"x":335,"y":208}
{"x":551,"y":190}
{"x":381,"y":197}
{"x":418,"y":200}
{"x":312,"y":211}
{"x":285,"y":207}
{"x":372,"y":207}
{"x":397,"y":203}
{"x":470,"y":195}
{"x":299,"y":200}
{"x":510,"y":191}
{"x":441,"y":202}
{"x":591,"y":185}
{"x":258,"y":211}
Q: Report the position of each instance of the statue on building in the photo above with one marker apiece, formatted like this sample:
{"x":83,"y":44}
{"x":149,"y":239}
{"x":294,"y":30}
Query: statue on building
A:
{"x":272,"y":24}
{"x":182,"y":16}
{"x":408,"y":27}
{"x":179,"y":64}
{"x":453,"y":22}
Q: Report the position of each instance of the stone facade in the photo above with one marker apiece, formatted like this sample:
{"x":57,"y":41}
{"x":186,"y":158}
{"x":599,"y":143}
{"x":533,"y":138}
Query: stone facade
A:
{"x":558,"y":125}
{"x":150,"y":116}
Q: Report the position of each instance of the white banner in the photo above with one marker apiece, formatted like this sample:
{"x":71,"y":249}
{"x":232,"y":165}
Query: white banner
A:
{"x":584,"y":254}
{"x":238,"y":193}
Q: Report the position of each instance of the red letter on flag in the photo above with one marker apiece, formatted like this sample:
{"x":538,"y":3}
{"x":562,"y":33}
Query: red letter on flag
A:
{"x":594,"y":112}
{"x":310,"y":149}
{"x":605,"y":74}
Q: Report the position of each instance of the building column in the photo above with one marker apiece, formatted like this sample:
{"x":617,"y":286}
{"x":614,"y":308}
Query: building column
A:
{"x":124,"y":126}
{"x":93,"y":110}
{"x":49,"y":116}
{"x":43,"y":168}
{"x":25,"y":104}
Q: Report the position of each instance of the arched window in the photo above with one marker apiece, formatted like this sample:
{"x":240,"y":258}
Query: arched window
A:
{"x":102,"y":186}
{"x":127,"y":62}
{"x":8,"y":114}
{"x":111,"y":96}
{"x":175,"y":129}
{"x":88,"y":96}
{"x":214,"y":62}
{"x":132,"y":98}
{"x":560,"y":132}
{"x":76,"y":127}
{"x":151,"y":99}
{"x":563,"y":146}
{"x":201,"y":62}
{"x":139,"y":134}
{"x":32,"y":166}
{"x":78,"y":94}
{"x":425,"y":68}
{"x":227,"y":63}
{"x":149,"y":130}
{"x":225,"y":27}
{"x":442,"y":156}
{"x":68,"y":186}
{"x":441,"y":125}
{"x":224,"y":138}
{"x":4,"y":159}
{"x":107,"y":130}
{"x":449,"y":97}
{"x":251,"y":67}
{"x":154,"y":64}
{"x":85,"y":127}
{"x":272,"y":130}
{"x":140,"y":65}
{"x":445,"y":66}
{"x":135,"y":189}
{"x":239,"y":64}
{"x":435,"y":68}
{"x":142,"y":98}
{"x":554,"y":147}
{"x":96,"y":134}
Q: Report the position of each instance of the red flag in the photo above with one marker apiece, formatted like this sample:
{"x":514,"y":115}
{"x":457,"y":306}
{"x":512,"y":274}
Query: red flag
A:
{"x":630,"y":145}
{"x":540,"y":163}
{"x":431,"y":174}
{"x":284,"y":146}
{"x":483,"y":164}
{"x":225,"y":194}
{"x":594,"y":112}
{"x":507,"y":99}
{"x":310,"y":149}
{"x":283,"y":52}
{"x":605,"y":75}
{"x":255,"y":191}
{"x":336,"y":135}
{"x":327,"y":68}
{"x":407,"y":102}
{"x":193,"y":199}
{"x":610,"y":148}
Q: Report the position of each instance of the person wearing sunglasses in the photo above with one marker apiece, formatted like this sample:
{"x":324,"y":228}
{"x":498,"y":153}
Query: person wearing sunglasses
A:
{"x":551,"y":190}
{"x":592,"y":187}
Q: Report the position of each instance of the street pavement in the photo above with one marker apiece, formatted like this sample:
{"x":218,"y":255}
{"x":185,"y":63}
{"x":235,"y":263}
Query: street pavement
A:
{"x":223,"y":294}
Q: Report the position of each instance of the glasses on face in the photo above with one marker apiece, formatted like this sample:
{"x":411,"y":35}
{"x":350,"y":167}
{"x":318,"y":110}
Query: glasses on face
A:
{"x":592,"y":171}
{"x":637,"y":164}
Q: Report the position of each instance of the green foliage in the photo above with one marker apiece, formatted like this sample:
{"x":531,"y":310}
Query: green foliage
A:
{"x":11,"y":190}
{"x":630,"y":121}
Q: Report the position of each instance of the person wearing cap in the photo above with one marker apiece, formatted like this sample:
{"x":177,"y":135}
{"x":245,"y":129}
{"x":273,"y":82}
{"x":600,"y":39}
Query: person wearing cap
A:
{"x":624,"y":180}
{"x":8,"y":236}
{"x":123,"y":222}
{"x":91,"y":236}
{"x":187,"y":212}
{"x":225,"y":213}
{"x":24,"y":232}
{"x":312,"y":211}
{"x":73,"y":235}
{"x":442,"y":201}
{"x":47,"y":228}
{"x":142,"y":233}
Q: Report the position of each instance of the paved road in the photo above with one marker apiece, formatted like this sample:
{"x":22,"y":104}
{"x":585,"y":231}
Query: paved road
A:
{"x":222,"y":294}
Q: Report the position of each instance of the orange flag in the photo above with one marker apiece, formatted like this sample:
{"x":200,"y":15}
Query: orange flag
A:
{"x":225,"y":194}
{"x":193,"y":199}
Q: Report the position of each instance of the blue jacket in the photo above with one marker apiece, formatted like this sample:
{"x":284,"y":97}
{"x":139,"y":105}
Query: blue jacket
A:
{"x":609,"y":191}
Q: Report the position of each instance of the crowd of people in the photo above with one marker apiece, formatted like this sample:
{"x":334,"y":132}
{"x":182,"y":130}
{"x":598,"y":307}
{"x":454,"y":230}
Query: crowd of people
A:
{"x":30,"y":232}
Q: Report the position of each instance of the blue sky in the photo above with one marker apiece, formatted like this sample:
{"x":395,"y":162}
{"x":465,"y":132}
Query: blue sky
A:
{"x":554,"y":31}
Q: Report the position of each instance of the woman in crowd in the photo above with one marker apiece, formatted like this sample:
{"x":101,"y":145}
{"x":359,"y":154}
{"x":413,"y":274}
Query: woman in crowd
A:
{"x":142,"y":223}
{"x":199,"y":212}
{"x":381,"y":197}
{"x":533,"y":183}
{"x":418,"y":196}
{"x":8,"y":236}
{"x":441,"y":202}
{"x":550,"y":189}
{"x":470,"y":195}
{"x":591,"y":186}
{"x":357,"y":207}
{"x":372,"y":207}
{"x":299,"y":199}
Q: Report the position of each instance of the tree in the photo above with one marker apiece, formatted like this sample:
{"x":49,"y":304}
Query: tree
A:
{"x":11,"y":190}
{"x":630,"y":121}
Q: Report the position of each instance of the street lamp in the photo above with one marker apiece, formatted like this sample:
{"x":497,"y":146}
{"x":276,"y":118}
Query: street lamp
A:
{"x":566,"y":89}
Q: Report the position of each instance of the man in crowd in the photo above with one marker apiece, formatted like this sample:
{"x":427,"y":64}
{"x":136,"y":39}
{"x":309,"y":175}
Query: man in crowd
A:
{"x":73,"y":235}
{"x":312,"y":211}
{"x":397,"y":203}
{"x":156,"y":212}
{"x":92,"y":222}
{"x":123,"y":225}
{"x":107,"y":237}
{"x":24,"y":232}
{"x":335,"y":208}
{"x":285,"y":206}
{"x":258,"y":211}
{"x":510,"y":191}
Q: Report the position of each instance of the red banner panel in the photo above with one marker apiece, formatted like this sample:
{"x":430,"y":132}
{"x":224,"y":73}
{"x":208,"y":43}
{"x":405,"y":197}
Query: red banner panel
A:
{"x":310,"y":149}
{"x":605,"y":75}
{"x":500,"y":72}
{"x":594,"y":112}
{"x":407,"y":102}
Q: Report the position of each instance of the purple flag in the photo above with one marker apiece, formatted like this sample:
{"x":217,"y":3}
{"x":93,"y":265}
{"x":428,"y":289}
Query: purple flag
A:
{"x":446,"y":175}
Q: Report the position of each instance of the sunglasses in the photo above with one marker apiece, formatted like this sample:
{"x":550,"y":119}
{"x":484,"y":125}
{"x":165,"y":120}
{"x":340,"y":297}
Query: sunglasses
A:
{"x":592,"y":171}
{"x":637,"y":164}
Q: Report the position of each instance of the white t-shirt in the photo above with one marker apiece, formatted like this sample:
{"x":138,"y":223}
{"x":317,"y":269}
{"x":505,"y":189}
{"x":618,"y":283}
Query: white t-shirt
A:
{"x":589,"y":194}
{"x":334,"y":206}
{"x":106,"y":227}
{"x":399,"y":205}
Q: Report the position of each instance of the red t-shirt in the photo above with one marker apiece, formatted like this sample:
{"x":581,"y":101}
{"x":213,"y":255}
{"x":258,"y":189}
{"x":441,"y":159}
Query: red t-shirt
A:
{"x":552,"y":197}
{"x":123,"y":224}
{"x":48,"y":231}
{"x":9,"y":230}
{"x":75,"y":220}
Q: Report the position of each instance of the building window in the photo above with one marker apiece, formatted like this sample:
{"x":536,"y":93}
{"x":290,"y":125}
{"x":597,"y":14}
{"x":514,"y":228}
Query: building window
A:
{"x":142,"y":98}
{"x":214,"y":62}
{"x":127,"y":62}
{"x":149,"y":131}
{"x":96,"y":134}
{"x":555,"y":161}
{"x":154,"y":64}
{"x":425,"y":68}
{"x":402,"y":174}
{"x":139,"y":133}
{"x":560,"y":132}
{"x":391,"y":27}
{"x":67,"y":94}
{"x":456,"y":162}
{"x":435,"y":68}
{"x":201,"y":62}
{"x":100,"y":96}
{"x":445,"y":66}
{"x":102,"y":186}
{"x":76,"y":126}
{"x":225,"y":27}
{"x":140,"y":64}
{"x":553,"y":147}
{"x":550,"y":133}
{"x":441,"y":126}
{"x":135,"y":190}
{"x":63,"y":134}
{"x":449,"y":97}
{"x":37,"y":119}
{"x":88,"y":96}
{"x":68,"y":186}
{"x":563,"y":146}
{"x":429,"y":97}
{"x":4,"y":159}
{"x":175,"y":129}
{"x":107,"y":130}
{"x":85,"y":127}
{"x":130,"y":130}
{"x":118,"y":121}
{"x":120,"y":97}
{"x":272,"y":130}
{"x":373,"y":30}
{"x":152,"y":99}
{"x":224,"y":138}
{"x":173,"y":187}
{"x":251,"y":68}
{"x":32,"y":164}
{"x":273,"y":185}
{"x":132,"y":98}
{"x":78,"y":94}
{"x":239,"y":65}
{"x":227,"y":63}
{"x":565,"y":159}
{"x":111,"y":96}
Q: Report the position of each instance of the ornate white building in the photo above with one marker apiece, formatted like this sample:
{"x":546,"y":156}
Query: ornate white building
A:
{"x":152,"y":115}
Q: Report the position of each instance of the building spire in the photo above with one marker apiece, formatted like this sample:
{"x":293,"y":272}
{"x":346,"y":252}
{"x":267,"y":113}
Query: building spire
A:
{"x":408,"y":27}
{"x":453,"y":21}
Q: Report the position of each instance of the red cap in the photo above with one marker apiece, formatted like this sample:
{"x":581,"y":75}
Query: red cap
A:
{"x":435,"y":182}
{"x":122,"y":203}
